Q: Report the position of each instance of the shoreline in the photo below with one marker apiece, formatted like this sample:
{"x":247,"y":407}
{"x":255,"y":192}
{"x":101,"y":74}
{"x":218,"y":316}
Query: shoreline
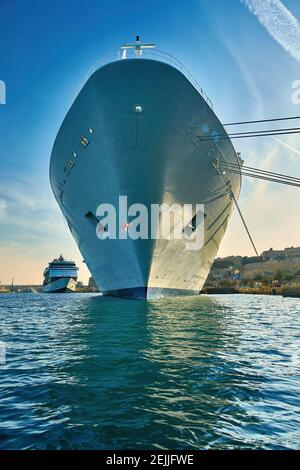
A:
{"x":285,"y":291}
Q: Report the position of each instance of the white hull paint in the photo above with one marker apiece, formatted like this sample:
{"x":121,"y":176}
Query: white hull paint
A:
{"x":151,"y":157}
{"x":61,"y":285}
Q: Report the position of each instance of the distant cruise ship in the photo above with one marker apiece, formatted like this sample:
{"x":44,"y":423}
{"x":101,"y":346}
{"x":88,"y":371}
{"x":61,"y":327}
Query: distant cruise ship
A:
{"x":60,"y":276}
{"x":142,"y":127}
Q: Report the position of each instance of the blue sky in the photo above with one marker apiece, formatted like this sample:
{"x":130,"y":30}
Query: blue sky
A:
{"x":48,"y":47}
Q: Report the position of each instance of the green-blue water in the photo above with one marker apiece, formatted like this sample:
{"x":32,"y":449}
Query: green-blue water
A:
{"x":87,"y":372}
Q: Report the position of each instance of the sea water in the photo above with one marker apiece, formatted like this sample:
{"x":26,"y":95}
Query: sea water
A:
{"x":81,"y":371}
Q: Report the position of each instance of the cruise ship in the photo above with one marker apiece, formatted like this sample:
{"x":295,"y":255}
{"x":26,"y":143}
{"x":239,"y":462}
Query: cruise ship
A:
{"x":141,"y":127}
{"x":60,"y":276}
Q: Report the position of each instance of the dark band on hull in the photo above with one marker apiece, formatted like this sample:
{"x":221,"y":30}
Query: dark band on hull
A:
{"x":140,"y":293}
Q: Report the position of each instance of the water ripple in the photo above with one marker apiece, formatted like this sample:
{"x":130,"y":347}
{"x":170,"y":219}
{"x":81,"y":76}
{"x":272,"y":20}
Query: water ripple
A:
{"x":87,"y":372}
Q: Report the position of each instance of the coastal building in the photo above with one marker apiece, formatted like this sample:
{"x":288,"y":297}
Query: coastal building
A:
{"x":289,"y":252}
{"x":292,"y":252}
{"x":283,"y":265}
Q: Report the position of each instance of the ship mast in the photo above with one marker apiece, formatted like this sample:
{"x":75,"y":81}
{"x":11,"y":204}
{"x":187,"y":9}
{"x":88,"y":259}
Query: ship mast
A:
{"x":138,"y":46}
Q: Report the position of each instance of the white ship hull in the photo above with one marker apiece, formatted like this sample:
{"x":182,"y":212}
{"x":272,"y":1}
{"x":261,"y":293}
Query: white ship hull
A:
{"x":61,"y":285}
{"x":152,"y":157}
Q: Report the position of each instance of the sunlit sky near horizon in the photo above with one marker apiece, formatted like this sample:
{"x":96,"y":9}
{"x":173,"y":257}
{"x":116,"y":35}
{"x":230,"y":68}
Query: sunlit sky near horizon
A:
{"x":244,"y":59}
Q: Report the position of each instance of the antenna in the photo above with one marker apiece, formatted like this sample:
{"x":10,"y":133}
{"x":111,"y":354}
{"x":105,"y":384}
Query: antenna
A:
{"x":138,"y":46}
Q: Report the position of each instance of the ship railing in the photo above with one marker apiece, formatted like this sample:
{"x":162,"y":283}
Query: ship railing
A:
{"x":154,"y":54}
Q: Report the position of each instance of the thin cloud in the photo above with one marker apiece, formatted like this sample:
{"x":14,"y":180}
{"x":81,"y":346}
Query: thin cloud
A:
{"x":280,"y":23}
{"x":286,"y":145}
{"x":2,"y":208}
{"x":29,"y":210}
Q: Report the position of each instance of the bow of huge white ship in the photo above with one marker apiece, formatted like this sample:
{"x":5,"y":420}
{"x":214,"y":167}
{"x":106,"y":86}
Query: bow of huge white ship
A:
{"x":140,"y":129}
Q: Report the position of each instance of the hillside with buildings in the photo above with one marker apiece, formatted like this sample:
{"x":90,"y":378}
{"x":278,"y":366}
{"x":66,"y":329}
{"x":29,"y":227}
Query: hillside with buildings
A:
{"x":273,"y":267}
